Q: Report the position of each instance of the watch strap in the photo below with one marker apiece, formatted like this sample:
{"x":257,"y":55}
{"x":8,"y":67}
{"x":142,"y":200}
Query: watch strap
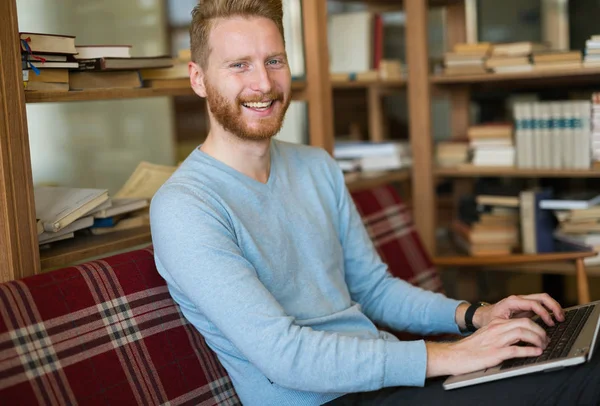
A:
{"x":469,"y":316}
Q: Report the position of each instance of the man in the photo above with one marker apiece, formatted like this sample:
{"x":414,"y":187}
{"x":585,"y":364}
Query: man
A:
{"x":263,"y":249}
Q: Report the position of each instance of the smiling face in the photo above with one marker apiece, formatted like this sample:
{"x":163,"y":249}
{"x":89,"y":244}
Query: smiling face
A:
{"x":247,"y":81}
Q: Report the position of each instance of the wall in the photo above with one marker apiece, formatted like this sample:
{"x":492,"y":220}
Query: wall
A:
{"x":98,"y":144}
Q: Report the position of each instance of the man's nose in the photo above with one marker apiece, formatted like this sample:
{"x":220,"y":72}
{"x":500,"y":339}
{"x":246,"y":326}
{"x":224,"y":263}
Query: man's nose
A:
{"x":261,"y":80}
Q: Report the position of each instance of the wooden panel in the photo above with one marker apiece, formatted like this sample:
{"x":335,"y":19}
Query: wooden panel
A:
{"x":318,"y":86}
{"x":470,"y":171}
{"x":360,"y":181}
{"x":419,"y":101}
{"x":18,"y":238}
{"x":400,"y":83}
{"x":393,"y":4}
{"x":81,"y":248}
{"x":496,"y":260}
{"x":377,"y":130}
{"x":114,"y":94}
{"x":565,"y":76}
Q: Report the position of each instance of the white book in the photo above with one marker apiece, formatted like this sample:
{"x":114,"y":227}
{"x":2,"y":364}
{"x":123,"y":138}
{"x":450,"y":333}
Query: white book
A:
{"x":59,"y":206}
{"x":78,"y":224}
{"x":120,"y":206}
{"x":351,"y":149}
{"x":102,"y":51}
{"x":556,"y":134}
{"x":351,"y":42}
{"x":572,"y":201}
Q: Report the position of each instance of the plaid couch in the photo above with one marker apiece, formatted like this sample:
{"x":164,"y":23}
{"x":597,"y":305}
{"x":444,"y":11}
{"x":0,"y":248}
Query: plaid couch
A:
{"x":107,"y":332}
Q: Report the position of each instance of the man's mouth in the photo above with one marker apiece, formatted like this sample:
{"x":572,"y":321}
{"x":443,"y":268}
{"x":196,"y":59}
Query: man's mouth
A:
{"x":259,"y":106}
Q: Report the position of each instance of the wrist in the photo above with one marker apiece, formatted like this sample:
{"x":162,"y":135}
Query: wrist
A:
{"x":480,"y":316}
{"x":438,"y":359}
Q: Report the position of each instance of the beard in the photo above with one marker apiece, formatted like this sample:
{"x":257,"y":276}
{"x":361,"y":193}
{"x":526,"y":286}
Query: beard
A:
{"x":230,"y":115}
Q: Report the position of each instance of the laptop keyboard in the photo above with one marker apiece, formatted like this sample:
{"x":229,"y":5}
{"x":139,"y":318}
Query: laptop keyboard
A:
{"x":562,"y":337}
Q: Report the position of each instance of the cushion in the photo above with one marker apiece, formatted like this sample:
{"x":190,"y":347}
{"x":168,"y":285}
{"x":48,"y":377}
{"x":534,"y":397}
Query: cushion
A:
{"x":105,"y":332}
{"x":390,"y":225}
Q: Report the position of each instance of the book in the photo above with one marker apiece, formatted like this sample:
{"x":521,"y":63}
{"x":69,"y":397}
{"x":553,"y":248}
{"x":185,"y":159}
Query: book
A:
{"x":59,"y":206}
{"x":102,"y":51}
{"x":101,"y":64}
{"x":572,"y":201}
{"x":145,"y":180}
{"x":537,"y":225}
{"x":48,"y":43}
{"x":121,"y":206}
{"x":79,"y":224}
{"x":104,"y":80}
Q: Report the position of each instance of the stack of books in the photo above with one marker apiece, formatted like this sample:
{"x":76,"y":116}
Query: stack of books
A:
{"x":553,"y":134}
{"x":46,"y":60}
{"x":452,"y":153}
{"x":467,"y":59}
{"x":372,"y":157}
{"x":68,"y":212}
{"x":543,"y":61}
{"x":174,"y":76}
{"x":56,"y":63}
{"x":487,"y":225}
{"x":492,"y":144}
{"x":578,"y":217}
{"x":513,"y":57}
{"x":592,"y":52}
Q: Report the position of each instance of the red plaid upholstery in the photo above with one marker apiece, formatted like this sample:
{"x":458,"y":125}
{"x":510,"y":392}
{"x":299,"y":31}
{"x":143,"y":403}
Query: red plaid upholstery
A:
{"x":106,"y":332}
{"x":390,"y":226}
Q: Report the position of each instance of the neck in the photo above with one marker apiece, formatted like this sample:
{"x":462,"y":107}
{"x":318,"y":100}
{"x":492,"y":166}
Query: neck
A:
{"x":252,"y":158}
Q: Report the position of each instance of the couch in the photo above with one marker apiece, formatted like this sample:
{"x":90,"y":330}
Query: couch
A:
{"x":107,"y":332}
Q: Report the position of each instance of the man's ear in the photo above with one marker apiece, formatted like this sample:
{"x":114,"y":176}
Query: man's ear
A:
{"x":197,"y":79}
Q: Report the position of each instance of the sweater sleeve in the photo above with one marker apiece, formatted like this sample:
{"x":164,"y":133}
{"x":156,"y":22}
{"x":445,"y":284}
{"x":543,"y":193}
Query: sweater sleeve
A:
{"x":196,"y":252}
{"x":389,"y":301}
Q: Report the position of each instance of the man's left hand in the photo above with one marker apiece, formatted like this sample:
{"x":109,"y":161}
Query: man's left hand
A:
{"x":520,"y":306}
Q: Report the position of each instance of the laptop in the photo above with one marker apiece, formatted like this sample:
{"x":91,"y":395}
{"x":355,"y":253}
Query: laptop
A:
{"x":571,"y":343}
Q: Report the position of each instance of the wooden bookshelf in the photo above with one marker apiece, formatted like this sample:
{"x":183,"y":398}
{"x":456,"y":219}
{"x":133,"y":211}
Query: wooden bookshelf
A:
{"x":562,"y":76}
{"x":360,"y":181}
{"x":470,"y":171}
{"x":80,"y":248}
{"x":298,"y":88}
{"x":365,"y":84}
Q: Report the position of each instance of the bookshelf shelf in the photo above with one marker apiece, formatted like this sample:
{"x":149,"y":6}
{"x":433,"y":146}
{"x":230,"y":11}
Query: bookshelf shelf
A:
{"x":564,"y":75}
{"x":80,"y":248}
{"x":115,"y":94}
{"x":477,"y":171}
{"x":361,"y":181}
{"x":364,"y":84}
{"x":399,"y":3}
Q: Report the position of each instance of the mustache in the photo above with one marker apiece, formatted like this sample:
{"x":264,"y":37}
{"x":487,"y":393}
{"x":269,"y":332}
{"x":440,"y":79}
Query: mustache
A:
{"x":273,"y":95}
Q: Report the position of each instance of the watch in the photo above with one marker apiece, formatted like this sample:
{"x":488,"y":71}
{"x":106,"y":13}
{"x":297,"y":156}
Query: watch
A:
{"x":469,"y":315}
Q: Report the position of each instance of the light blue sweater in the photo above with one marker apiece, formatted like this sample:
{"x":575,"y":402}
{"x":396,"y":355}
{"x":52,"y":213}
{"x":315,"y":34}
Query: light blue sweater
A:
{"x":284,"y":283}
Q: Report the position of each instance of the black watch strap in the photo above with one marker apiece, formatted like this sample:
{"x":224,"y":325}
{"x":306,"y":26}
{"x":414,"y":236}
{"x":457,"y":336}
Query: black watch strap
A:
{"x":469,"y":315}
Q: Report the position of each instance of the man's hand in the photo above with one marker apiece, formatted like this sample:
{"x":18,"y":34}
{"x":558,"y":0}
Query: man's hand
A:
{"x":487,"y":347}
{"x":514,"y":307}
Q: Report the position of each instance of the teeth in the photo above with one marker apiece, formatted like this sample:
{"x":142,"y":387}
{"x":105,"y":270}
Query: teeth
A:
{"x":258,"y":105}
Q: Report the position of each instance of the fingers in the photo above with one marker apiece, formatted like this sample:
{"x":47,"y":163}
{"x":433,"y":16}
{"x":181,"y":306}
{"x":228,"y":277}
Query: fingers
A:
{"x":515,"y":351}
{"x":527,"y":304}
{"x":526,"y":335}
{"x":549,"y":303}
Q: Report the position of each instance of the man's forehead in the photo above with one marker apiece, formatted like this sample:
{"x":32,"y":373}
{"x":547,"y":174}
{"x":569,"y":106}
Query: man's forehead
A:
{"x":233,"y":36}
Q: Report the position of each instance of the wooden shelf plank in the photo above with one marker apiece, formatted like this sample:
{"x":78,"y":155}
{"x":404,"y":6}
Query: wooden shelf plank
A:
{"x":81,"y":248}
{"x":514,"y":259}
{"x":474,"y":171}
{"x":361,"y":181}
{"x":563,"y":74}
{"x":365,"y":84}
{"x":115,"y":94}
{"x":399,"y":3}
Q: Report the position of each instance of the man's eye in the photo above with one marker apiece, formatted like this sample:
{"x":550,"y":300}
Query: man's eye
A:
{"x":238,"y":65}
{"x":274,"y":62}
